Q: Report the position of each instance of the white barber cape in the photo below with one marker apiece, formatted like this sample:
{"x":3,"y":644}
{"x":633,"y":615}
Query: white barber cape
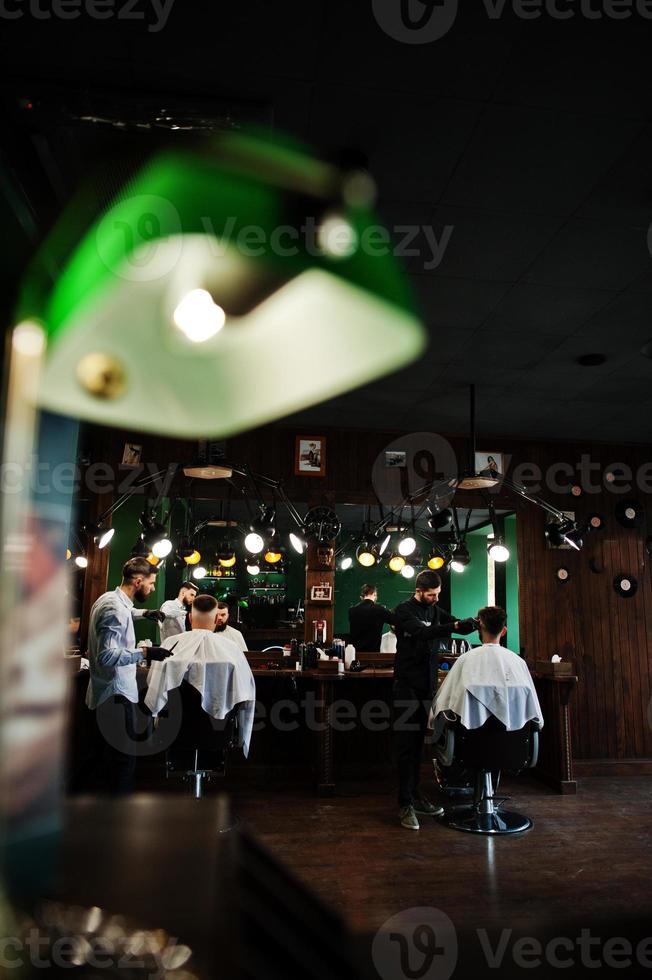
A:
{"x":489,"y":680}
{"x":215,"y":667}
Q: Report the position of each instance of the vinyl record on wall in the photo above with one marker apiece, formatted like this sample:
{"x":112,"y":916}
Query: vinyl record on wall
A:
{"x":629,"y":513}
{"x":563,"y":575}
{"x":625,"y":586}
{"x":596,"y":522}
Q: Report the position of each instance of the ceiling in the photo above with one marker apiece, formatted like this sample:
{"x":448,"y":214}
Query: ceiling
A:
{"x":527,"y":143}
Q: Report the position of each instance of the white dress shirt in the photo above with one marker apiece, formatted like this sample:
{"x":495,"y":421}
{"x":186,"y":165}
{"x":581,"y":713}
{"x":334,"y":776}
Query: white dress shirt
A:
{"x":175,"y":618}
{"x":489,"y":680}
{"x":112,"y":651}
{"x":215,"y":667}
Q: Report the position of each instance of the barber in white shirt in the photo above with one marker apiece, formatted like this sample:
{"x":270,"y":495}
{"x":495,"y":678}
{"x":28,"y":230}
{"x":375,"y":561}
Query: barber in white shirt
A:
{"x":176,"y":610}
{"x":229,"y":631}
{"x":113,"y":656}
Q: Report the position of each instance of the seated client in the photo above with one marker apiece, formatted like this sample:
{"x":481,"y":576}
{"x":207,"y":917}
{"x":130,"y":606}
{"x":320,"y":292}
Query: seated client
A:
{"x":212,"y":663}
{"x":489,"y":680}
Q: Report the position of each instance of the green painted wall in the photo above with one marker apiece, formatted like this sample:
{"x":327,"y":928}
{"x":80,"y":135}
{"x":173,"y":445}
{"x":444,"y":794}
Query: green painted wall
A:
{"x":513,"y":631}
{"x":469,"y":589}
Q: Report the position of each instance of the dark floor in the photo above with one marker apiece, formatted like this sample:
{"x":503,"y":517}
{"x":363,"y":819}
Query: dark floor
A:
{"x":588,"y":854}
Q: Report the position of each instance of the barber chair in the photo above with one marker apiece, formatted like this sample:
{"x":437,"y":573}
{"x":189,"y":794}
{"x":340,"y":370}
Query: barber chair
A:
{"x":200,"y":747}
{"x":487,"y":751}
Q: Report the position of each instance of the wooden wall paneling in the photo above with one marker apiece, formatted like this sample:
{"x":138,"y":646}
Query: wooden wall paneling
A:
{"x":97,"y":569}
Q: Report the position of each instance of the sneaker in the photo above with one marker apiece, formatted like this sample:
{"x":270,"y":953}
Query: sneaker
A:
{"x":408,"y":818}
{"x":425,"y":808}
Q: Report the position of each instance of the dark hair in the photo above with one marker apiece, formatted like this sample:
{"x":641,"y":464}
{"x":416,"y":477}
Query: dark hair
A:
{"x":222,"y":605}
{"x":427,"y":580}
{"x":367,"y":590}
{"x":492,"y":619}
{"x":135,"y":567}
{"x":204,"y":603}
{"x":189,"y":585}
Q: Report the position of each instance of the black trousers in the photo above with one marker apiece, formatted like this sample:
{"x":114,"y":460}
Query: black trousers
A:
{"x":117,"y":740}
{"x":411,"y":708}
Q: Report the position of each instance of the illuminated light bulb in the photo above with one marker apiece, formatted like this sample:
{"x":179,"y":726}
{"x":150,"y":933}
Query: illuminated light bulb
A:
{"x":254,"y":543}
{"x":346,"y":563}
{"x":162,"y":548}
{"x":81,"y":561}
{"x":297,"y":543}
{"x":336,"y":237}
{"x":28,"y":339}
{"x":366,"y":557}
{"x":406,"y":546}
{"x":435,"y":562}
{"x":407,"y":571}
{"x":397,"y":563}
{"x":152,"y":558}
{"x":457,"y":566}
{"x":105,"y":538}
{"x":199,"y":572}
{"x":273,"y":557}
{"x":68,"y":554}
{"x":498,"y":552}
{"x":253,"y":568}
{"x":193,"y":559}
{"x":198,"y":317}
{"x":383,"y":547}
{"x":227,"y":562}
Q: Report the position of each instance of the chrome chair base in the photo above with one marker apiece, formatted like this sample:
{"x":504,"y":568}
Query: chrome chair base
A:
{"x":494,"y":824}
{"x":483,"y":816}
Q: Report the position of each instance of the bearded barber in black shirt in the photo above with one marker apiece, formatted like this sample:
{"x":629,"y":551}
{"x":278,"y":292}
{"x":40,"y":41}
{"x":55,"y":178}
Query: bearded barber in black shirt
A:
{"x":420,"y":624}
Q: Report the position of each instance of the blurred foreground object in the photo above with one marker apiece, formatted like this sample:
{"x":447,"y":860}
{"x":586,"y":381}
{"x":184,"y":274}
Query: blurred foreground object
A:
{"x":210,"y":275}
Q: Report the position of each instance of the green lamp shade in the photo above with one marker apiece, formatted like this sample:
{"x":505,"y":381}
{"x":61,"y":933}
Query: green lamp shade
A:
{"x":183,"y":301}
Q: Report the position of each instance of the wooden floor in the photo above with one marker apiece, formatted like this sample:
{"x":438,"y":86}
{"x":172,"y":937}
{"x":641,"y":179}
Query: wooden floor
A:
{"x":585,"y":865}
{"x":588,"y":853}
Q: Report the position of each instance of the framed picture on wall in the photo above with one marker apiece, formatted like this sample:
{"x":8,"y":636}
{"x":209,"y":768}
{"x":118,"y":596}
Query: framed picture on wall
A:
{"x":131,"y":454}
{"x":489,"y":464}
{"x":321,"y":593}
{"x":310,"y":456}
{"x":395,"y":459}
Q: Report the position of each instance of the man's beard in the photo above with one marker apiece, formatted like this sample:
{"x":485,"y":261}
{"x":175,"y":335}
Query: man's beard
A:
{"x":220,"y":627}
{"x":141,"y":595}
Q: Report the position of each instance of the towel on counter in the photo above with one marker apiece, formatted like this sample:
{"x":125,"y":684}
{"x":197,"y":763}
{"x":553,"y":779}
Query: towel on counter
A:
{"x":489,"y":680}
{"x":214,"y":666}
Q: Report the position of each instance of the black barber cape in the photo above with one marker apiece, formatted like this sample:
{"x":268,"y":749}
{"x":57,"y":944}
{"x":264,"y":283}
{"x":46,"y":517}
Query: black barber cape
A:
{"x":419,"y":632}
{"x":366,"y":625}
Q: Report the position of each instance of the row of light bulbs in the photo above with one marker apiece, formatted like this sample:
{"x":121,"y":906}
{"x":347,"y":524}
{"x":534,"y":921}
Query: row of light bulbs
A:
{"x":456,"y":558}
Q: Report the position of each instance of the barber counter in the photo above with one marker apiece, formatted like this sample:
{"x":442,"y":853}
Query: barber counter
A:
{"x":318,"y":727}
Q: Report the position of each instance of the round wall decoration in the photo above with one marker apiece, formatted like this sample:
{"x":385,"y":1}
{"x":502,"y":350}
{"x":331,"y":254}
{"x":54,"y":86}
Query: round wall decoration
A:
{"x":629,"y":513}
{"x":625,"y":586}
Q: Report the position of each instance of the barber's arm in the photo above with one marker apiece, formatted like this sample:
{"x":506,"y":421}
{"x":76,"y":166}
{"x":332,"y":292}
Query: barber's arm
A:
{"x":390,"y":616}
{"x":154,"y":615}
{"x":427,"y":631}
{"x":111,"y":651}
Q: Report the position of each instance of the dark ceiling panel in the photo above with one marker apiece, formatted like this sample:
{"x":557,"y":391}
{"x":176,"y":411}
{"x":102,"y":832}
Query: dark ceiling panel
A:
{"x":592,"y":254}
{"x":538,"y":161}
